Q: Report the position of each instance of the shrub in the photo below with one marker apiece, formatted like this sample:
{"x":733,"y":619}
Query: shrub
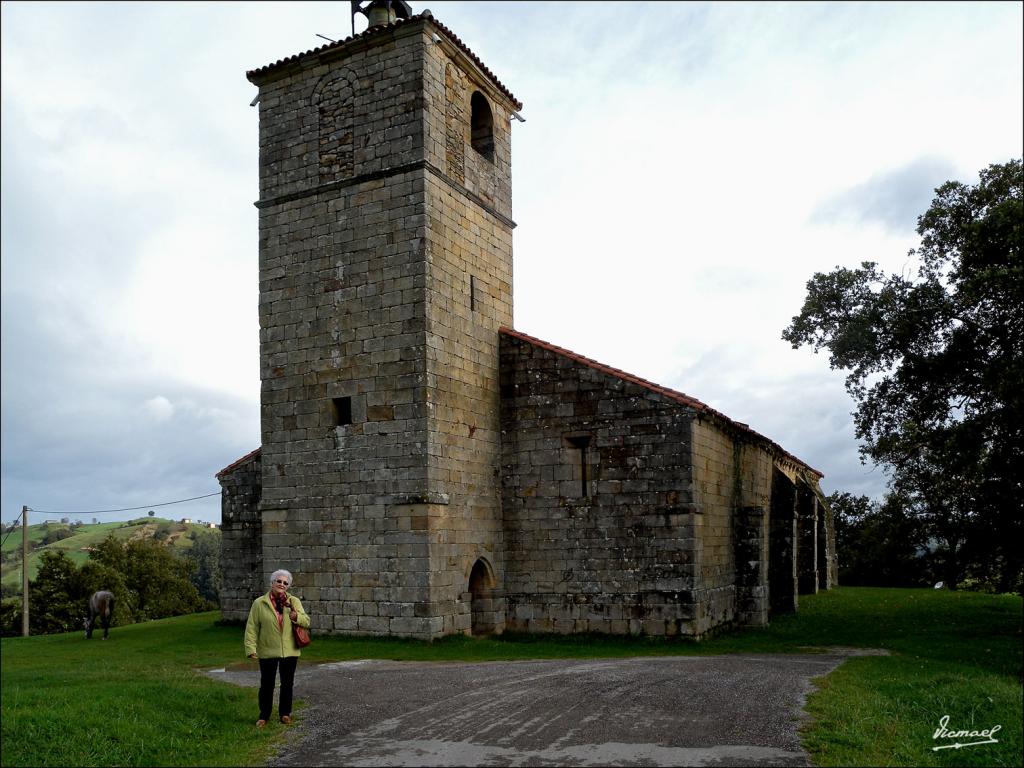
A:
{"x":56,"y":534}
{"x":10,"y":617}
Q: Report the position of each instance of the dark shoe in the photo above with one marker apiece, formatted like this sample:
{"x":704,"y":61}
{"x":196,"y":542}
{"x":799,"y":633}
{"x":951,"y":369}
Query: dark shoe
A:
{"x":260,"y":723}
{"x":286,"y":719}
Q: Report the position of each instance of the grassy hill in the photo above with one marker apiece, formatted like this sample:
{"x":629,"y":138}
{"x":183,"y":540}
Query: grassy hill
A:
{"x":82,"y":538}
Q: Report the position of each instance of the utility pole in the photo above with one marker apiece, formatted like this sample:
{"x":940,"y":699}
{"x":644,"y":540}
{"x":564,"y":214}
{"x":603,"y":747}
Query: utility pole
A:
{"x":24,"y":571}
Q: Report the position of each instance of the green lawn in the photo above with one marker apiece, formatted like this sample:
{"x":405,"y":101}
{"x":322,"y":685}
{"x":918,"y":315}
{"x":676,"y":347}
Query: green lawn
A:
{"x":956,"y":654}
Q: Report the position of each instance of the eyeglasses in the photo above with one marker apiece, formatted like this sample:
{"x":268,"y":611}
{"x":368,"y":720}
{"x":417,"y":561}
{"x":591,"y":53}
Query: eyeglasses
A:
{"x":281,"y":581}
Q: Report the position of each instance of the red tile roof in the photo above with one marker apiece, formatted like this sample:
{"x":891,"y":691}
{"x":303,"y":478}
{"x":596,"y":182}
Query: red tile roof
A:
{"x":372,"y":31}
{"x":238,"y":463}
{"x":671,"y":394}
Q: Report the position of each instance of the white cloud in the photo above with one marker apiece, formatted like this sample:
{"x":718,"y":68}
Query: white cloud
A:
{"x":159,"y":408}
{"x":666,"y":179}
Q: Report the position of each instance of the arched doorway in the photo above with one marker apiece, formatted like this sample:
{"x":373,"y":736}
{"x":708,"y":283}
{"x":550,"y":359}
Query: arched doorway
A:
{"x":487,"y":611}
{"x":782,"y":546}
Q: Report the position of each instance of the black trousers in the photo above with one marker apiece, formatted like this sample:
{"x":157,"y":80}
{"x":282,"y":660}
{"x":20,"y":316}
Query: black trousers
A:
{"x":268,"y":675}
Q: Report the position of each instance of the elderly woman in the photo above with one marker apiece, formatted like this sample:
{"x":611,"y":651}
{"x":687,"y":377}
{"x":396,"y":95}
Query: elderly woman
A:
{"x":269,"y":638}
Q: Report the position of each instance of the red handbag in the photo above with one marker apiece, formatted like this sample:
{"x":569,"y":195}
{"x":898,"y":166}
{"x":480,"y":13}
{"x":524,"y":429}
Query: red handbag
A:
{"x":302,"y":638}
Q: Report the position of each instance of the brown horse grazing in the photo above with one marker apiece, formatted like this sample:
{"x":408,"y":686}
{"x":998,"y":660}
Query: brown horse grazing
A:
{"x":101,"y":606}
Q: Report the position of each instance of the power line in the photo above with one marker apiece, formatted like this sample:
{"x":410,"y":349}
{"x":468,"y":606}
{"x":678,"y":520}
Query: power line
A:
{"x":123,"y":509}
{"x":13,"y":529}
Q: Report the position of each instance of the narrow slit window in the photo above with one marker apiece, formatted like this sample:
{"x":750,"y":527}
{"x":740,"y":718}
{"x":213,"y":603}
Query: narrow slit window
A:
{"x":581,"y":443}
{"x":342,"y":411}
{"x":472,"y":293}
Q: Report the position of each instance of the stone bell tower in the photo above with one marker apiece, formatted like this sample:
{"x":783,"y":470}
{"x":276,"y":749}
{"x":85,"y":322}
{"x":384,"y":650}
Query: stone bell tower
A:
{"x":385,"y":267}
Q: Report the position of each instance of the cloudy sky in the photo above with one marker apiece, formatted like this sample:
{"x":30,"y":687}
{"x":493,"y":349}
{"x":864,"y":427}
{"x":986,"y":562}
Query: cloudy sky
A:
{"x":682,"y":171}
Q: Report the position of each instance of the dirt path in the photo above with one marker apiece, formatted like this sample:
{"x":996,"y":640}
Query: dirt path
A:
{"x":667,"y":711}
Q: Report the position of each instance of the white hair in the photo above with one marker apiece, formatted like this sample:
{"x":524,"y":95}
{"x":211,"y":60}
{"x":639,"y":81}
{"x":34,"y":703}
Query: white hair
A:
{"x":278,"y":574}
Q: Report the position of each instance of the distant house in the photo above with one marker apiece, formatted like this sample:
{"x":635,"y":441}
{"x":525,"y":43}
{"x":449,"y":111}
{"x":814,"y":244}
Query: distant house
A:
{"x":186,"y":520}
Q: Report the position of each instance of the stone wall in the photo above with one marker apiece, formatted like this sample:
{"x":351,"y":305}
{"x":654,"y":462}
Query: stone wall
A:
{"x":383,"y":282}
{"x":241,"y":561}
{"x":468,"y":298}
{"x":751,"y":533}
{"x":732,"y":488}
{"x":343,"y":333}
{"x":600,"y":529}
{"x":423,"y":473}
{"x":715,"y":487}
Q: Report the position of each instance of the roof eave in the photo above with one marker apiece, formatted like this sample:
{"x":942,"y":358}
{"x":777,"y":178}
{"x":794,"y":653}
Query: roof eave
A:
{"x":238,"y":462}
{"x":368,"y":38}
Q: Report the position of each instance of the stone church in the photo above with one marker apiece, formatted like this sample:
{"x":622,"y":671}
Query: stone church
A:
{"x":426,"y":469}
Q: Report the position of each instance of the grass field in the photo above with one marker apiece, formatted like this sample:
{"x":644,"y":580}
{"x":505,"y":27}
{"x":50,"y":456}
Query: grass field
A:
{"x":86,"y":536}
{"x":136,"y":699}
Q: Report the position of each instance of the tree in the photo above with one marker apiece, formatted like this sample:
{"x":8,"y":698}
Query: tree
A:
{"x":935,"y":364}
{"x":147,"y":579}
{"x":54,"y":598}
{"x":59,"y":595}
{"x":880,"y":545}
{"x":205,"y":553}
{"x":159,"y":580}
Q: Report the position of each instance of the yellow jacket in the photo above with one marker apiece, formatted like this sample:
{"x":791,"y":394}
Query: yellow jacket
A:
{"x":262,"y":634}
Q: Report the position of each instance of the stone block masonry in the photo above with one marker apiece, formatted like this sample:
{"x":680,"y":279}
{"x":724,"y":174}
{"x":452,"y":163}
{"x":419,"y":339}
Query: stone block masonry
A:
{"x":601,"y":530}
{"x":425,"y":470}
{"x":241,"y":534}
{"x":383,"y":282}
{"x":630,"y":508}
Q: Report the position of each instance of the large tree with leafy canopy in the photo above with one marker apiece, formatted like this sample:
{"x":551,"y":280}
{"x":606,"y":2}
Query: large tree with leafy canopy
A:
{"x":158,"y":580}
{"x":880,"y":544}
{"x":935,"y":364}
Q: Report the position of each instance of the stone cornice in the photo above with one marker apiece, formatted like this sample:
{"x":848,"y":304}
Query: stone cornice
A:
{"x":384,"y":173}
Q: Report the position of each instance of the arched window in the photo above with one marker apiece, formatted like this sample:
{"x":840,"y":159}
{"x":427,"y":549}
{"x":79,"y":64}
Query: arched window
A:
{"x":482,"y":125}
{"x":335,"y":110}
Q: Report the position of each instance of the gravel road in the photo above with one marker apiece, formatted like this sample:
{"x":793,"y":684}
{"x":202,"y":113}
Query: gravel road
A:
{"x":663,"y":711}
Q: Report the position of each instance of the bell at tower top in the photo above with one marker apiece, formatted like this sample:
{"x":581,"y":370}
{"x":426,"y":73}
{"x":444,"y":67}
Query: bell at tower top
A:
{"x":381,"y":12}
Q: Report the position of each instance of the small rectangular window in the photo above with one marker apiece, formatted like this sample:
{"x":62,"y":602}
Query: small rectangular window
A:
{"x":472,"y":293}
{"x":581,"y":443}
{"x":342,"y":411}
